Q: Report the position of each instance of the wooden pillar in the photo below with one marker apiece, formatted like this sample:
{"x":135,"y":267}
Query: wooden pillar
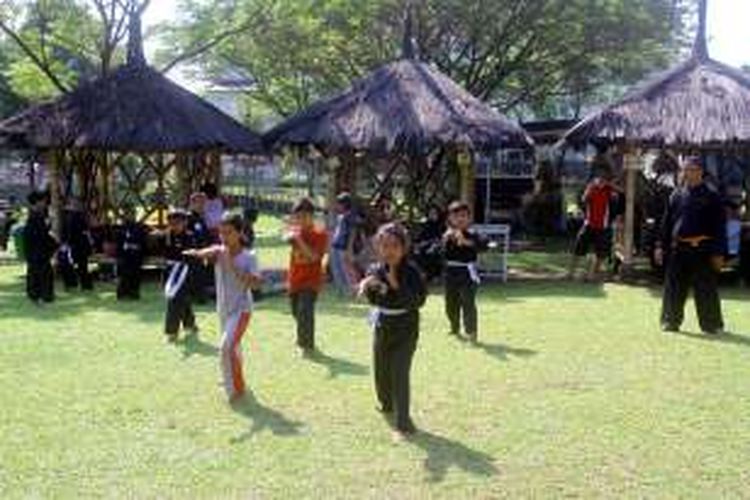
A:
{"x":53,"y":164}
{"x":332,"y":166}
{"x":465,"y":161}
{"x":632,"y":165}
{"x":217,"y":173}
{"x":183,"y":174}
{"x":161,"y":192}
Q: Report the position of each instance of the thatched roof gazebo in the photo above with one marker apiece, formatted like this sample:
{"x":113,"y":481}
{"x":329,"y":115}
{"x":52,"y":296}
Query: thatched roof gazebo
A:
{"x":134,"y":124}
{"x":405,"y":113}
{"x":700,"y":104}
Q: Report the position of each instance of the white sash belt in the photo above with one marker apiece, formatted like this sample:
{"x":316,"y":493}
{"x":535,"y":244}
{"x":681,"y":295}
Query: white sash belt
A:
{"x":176,"y":279}
{"x":377,"y":312}
{"x":469,"y":266}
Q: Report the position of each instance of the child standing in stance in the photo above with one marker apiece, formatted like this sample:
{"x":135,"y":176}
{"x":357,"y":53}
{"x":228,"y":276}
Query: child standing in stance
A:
{"x":236,"y":275}
{"x":461,"y":247}
{"x":396,"y":289}
{"x":308,"y":247}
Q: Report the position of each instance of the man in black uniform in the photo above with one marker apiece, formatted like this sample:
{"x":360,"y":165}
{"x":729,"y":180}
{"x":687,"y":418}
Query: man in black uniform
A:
{"x":40,"y":246}
{"x":460,"y":251}
{"x":693,"y":245}
{"x":76,"y":240}
{"x":179,"y":287}
{"x":131,"y":250}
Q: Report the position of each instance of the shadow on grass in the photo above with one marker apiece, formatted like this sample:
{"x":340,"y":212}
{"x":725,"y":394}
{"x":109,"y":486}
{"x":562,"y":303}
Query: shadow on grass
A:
{"x":329,"y":303}
{"x":149,"y":309}
{"x":443,"y":454}
{"x":263,"y":418}
{"x":725,"y":338}
{"x":193,"y":345}
{"x":520,"y":290}
{"x":502,"y":352}
{"x":338,"y":366}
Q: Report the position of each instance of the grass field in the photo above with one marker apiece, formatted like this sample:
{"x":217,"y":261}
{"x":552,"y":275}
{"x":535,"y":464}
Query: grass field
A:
{"x":573,"y":391}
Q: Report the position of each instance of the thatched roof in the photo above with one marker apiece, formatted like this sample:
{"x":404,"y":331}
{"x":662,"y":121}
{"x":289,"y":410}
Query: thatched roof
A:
{"x":405,"y":106}
{"x":700,"y":102}
{"x":134,"y":109}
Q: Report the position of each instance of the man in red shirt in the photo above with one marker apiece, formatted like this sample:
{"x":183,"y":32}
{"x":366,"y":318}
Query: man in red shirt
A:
{"x":305,"y":279}
{"x":596,"y":226}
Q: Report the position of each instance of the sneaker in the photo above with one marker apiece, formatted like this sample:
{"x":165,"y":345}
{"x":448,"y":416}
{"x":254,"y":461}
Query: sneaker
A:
{"x":171,"y":338}
{"x":715,"y":331}
{"x":666,"y":328}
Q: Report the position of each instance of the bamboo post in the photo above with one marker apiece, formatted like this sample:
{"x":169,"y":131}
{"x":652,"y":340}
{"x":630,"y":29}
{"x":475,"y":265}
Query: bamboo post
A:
{"x":465,"y":162}
{"x":218,"y":175}
{"x":55,"y":197}
{"x":161,"y":190}
{"x":332,"y":166}
{"x":632,"y":165}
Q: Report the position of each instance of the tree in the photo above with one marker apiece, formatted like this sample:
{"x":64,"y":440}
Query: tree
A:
{"x":58,"y":42}
{"x":10,"y":102}
{"x":526,"y":56}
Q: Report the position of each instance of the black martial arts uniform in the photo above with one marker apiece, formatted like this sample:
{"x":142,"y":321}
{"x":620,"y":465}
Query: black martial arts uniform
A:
{"x":180,"y":306}
{"x":76,"y":239}
{"x":40,"y":247}
{"x":396,"y":323}
{"x":131,"y":251}
{"x":462,"y":281}
{"x":693,"y":231}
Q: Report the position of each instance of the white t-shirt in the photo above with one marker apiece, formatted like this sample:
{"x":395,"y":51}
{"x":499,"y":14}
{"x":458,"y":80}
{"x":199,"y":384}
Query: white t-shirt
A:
{"x":232,"y":297}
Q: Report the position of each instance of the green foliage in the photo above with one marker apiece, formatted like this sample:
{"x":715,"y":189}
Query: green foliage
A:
{"x":546,"y":57}
{"x":53,"y":44}
{"x":10,"y":102}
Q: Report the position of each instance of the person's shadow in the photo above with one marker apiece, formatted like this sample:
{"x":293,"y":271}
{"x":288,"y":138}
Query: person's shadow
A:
{"x":193,"y":345}
{"x":263,"y":418}
{"x":444,"y":454}
{"x":503,"y":352}
{"x":724,"y":338}
{"x":337,"y":366}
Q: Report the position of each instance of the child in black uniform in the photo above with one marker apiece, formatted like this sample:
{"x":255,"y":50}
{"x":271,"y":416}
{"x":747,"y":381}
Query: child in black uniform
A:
{"x":461,"y":247}
{"x":396,"y":288}
{"x":39,"y":246}
{"x":131,"y":250}
{"x":178,"y":287}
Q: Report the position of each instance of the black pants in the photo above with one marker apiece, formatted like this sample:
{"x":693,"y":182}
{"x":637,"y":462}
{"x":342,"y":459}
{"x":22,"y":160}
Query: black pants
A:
{"x":303,"y":310}
{"x":76,"y":273}
{"x":179,"y":312}
{"x":691,"y":267}
{"x":460,"y":298}
{"x":393,"y":350}
{"x":40,"y":281}
{"x":129,"y":278}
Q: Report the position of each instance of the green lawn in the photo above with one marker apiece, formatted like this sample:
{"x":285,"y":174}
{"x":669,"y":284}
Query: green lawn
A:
{"x":573,"y":392}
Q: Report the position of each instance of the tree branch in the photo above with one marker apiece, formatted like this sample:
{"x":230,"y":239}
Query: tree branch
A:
{"x":38,"y":62}
{"x":197,"y":50}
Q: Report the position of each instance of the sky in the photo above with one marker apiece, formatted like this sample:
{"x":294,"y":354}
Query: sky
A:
{"x":728,"y":27}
